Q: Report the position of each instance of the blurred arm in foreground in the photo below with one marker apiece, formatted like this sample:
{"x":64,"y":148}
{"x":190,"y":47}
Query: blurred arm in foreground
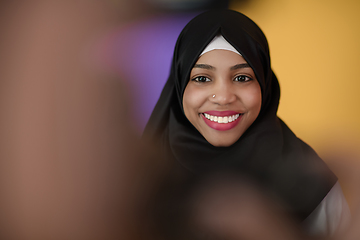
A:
{"x":70,"y":159}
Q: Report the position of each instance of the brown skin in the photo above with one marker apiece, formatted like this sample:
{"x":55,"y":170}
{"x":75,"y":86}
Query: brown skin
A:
{"x":234,"y":89}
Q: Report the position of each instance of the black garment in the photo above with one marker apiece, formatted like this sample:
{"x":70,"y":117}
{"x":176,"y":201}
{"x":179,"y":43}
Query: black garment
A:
{"x":268,"y":150}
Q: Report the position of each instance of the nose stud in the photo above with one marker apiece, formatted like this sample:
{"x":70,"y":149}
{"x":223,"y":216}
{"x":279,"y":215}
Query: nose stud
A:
{"x":213,"y":96}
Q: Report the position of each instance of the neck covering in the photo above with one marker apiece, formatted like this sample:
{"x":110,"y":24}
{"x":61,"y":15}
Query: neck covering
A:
{"x":219,"y":42}
{"x":268,"y":150}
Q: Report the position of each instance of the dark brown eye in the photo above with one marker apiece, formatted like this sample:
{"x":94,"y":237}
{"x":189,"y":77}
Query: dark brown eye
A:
{"x":242,"y":78}
{"x":201,"y":79}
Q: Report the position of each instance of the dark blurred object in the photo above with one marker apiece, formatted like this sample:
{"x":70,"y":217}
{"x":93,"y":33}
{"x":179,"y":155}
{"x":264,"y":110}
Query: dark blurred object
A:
{"x":191,"y":5}
{"x":221,"y":205}
{"x":186,"y":5}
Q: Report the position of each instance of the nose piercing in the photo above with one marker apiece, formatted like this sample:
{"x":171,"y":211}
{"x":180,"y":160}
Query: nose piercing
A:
{"x":213,"y":95}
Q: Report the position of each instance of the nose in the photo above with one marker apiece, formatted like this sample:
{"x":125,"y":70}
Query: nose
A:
{"x":223,"y":93}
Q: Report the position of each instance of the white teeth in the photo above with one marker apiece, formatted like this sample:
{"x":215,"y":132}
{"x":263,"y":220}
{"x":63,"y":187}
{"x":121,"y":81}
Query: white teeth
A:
{"x":225,"y":119}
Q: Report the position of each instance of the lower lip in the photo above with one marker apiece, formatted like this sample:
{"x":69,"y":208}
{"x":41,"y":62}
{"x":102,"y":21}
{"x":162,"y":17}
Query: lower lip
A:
{"x":221,"y":126}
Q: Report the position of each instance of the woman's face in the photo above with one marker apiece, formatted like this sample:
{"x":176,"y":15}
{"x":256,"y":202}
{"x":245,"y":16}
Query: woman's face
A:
{"x":222,"y":98}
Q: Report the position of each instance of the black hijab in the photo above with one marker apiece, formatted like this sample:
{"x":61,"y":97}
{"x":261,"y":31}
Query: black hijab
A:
{"x":268,"y":150}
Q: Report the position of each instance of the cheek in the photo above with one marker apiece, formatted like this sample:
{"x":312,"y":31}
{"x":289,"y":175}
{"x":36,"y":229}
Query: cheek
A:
{"x":252,"y":98}
{"x":193,"y":99}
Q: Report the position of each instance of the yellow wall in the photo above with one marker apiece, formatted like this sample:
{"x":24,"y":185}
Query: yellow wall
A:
{"x":315,"y":52}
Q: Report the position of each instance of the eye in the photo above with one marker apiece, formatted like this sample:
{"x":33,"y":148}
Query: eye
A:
{"x":242,"y":78}
{"x":201,"y":79}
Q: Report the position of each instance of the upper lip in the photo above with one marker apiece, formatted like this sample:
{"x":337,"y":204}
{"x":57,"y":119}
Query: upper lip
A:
{"x":222,"y":113}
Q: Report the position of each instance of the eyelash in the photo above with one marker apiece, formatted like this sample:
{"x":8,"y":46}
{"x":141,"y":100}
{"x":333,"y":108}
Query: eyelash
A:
{"x":247,"y":78}
{"x":202,"y":79}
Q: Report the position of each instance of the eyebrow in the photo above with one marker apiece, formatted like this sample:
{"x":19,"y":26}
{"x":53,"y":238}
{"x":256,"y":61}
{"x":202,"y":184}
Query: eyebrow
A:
{"x":209,"y":67}
{"x":204,"y":66}
{"x":238,"y":66}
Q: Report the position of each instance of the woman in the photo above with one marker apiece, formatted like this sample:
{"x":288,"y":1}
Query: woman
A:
{"x":218,"y":109}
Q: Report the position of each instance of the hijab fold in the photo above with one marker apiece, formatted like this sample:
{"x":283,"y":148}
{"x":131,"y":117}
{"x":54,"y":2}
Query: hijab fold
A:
{"x":268,"y":150}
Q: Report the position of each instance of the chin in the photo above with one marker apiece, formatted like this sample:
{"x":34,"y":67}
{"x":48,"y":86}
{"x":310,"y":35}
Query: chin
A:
{"x":221,"y":143}
{"x":221,"y":138}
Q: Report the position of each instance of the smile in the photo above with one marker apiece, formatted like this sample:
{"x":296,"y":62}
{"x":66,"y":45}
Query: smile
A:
{"x":221,"y":120}
{"x":225,"y":119}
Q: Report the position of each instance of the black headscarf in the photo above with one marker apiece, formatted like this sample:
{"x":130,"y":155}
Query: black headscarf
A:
{"x":268,"y":150}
